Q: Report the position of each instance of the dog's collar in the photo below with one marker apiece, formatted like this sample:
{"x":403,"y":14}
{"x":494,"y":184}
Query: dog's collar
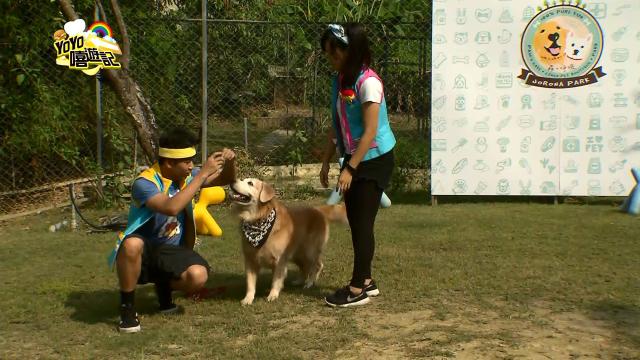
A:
{"x":257,"y":232}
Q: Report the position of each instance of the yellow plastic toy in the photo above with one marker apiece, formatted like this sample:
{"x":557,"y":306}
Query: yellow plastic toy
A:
{"x":205,"y":225}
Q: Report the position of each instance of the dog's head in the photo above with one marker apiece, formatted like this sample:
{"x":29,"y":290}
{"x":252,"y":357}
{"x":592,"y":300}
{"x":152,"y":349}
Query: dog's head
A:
{"x":549,"y":41}
{"x":577,"y":46}
{"x":250,"y":195}
{"x":251,"y":191}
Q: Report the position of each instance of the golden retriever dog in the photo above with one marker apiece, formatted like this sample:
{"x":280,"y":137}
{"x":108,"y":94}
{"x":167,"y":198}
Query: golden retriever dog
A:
{"x":549,"y":43}
{"x":274,"y":234}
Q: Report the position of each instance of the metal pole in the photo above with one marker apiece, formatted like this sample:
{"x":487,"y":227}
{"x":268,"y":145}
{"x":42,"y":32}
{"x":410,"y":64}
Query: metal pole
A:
{"x":204,"y":82}
{"x":246,"y":135}
{"x":288,"y":78}
{"x":96,"y":17}
{"x":74,"y":222}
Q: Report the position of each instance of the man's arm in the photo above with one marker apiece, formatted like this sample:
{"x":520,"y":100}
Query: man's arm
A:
{"x":172,"y":206}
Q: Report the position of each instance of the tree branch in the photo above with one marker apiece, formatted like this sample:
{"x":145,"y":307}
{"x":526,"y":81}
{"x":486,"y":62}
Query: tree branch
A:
{"x":67,"y":10}
{"x":103,"y":15}
{"x":128,"y":91}
{"x":124,"y":59}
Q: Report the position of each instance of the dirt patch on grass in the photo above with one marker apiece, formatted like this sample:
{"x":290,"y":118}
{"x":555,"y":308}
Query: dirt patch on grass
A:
{"x":465,"y":332}
{"x":300,"y":323}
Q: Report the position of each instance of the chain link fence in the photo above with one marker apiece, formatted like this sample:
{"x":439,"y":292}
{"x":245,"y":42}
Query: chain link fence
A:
{"x":268,"y":88}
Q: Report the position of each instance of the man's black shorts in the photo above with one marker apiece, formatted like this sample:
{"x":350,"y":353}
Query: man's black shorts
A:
{"x":165,"y":262}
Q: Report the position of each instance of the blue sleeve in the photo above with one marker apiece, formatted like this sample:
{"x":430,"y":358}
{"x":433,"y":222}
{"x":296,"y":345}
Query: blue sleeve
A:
{"x":143,"y":190}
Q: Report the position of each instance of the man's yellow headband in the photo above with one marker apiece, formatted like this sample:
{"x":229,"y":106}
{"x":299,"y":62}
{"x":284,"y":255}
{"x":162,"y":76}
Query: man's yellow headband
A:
{"x":177,"y":153}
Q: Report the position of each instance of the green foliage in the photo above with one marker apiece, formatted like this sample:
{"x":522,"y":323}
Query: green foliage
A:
{"x":246,"y":165}
{"x":321,"y":10}
{"x":296,"y":147}
{"x":297,"y":192}
{"x":112,"y":191}
{"x":47,"y":127}
{"x":411,"y":163}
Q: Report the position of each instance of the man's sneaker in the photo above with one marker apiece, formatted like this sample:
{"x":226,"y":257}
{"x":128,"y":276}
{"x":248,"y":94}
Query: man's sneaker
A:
{"x":372,"y":289}
{"x":129,"y":322}
{"x":343,"y":298}
{"x":168,"y":309}
{"x":163,"y":291}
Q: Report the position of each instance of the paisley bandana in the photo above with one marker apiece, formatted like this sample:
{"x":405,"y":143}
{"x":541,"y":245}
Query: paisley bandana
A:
{"x":257,"y":232}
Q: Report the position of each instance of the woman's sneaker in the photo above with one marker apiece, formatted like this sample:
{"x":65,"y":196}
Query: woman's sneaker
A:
{"x":343,"y":298}
{"x":372,"y":289}
{"x":129,"y":322}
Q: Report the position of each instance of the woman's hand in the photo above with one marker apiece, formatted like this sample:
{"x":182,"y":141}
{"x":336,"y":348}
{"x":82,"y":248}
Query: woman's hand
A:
{"x":344,"y":181}
{"x":324,"y":174}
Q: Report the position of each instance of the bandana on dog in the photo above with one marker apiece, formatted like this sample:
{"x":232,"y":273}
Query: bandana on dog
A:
{"x":258,"y":231}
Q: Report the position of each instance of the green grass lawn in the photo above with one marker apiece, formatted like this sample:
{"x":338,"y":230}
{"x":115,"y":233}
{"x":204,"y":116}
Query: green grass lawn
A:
{"x":482,"y":280}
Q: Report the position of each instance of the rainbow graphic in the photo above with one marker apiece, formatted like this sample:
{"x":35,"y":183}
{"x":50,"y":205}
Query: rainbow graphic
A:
{"x":100,"y":28}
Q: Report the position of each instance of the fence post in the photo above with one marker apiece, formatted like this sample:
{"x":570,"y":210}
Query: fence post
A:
{"x":246,"y":135}
{"x":74,"y":222}
{"x":205,"y":107}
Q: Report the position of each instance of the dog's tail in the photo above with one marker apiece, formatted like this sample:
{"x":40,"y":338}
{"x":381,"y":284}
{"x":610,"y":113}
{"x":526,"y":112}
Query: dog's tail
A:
{"x":334,"y":213}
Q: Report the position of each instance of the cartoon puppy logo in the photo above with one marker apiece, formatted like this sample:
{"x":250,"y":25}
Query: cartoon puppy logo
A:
{"x":549,"y":43}
{"x":561,"y":47}
{"x":577,"y":48}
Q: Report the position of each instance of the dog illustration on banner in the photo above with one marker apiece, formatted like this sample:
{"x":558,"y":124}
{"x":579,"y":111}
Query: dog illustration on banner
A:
{"x":577,"y":48}
{"x":561,"y":47}
{"x":549,"y":43}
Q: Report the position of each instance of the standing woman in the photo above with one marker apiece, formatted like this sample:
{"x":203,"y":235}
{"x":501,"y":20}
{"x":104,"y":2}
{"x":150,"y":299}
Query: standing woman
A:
{"x":364,"y":138}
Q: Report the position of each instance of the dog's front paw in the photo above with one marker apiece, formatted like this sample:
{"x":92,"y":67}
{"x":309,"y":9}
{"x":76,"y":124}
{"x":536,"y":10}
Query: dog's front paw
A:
{"x":308,"y":284}
{"x":272,"y":296}
{"x":247,"y":301}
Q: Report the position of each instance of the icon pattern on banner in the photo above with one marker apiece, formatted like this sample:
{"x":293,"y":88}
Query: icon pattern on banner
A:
{"x":495,"y":131}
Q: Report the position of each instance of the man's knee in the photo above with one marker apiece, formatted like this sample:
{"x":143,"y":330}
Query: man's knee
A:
{"x":132,"y":247}
{"x":197,"y":275}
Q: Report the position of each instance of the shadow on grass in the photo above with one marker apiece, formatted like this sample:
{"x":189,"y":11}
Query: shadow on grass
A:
{"x":623,"y":318}
{"x":101,"y":306}
{"x":235,"y":286}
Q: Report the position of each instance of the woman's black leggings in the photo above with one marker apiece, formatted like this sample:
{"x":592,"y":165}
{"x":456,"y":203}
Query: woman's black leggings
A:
{"x":362,"y":201}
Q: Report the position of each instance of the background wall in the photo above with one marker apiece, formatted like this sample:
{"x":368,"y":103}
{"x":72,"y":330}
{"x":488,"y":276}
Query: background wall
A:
{"x":493,"y":134}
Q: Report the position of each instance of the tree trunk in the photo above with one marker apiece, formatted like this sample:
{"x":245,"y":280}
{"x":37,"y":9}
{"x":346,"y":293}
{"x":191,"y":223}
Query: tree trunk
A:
{"x":129,"y":93}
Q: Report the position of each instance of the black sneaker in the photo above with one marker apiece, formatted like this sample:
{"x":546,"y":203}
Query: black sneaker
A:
{"x":163,"y":290}
{"x":168,"y":309}
{"x":129,"y":322}
{"x":372,"y":289}
{"x":343,"y":298}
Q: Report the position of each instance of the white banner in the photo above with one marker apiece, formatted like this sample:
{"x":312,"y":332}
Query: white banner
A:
{"x":529,"y":99}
